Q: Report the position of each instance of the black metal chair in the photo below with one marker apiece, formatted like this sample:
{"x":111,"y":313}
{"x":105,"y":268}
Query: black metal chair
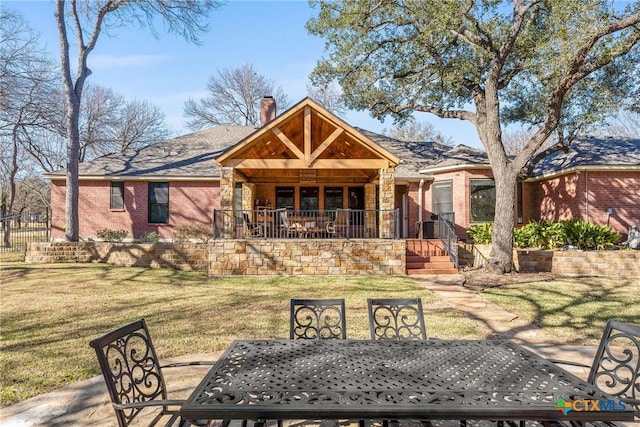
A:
{"x":396,"y":319}
{"x":251,"y":229}
{"x":616,"y":365}
{"x":134,"y":377}
{"x":317,"y":319}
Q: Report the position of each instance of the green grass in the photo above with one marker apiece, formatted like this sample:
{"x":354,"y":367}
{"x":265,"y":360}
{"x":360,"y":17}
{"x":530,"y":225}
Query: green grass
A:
{"x":51,"y":311}
{"x":573,"y":309}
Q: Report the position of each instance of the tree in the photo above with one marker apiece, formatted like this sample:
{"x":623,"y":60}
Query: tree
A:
{"x":111,"y":124}
{"x":555,"y":65}
{"x":412,"y":130}
{"x":625,"y":124}
{"x":233,"y":98}
{"x":329,"y":96}
{"x":26,"y":82}
{"x":86,"y":20}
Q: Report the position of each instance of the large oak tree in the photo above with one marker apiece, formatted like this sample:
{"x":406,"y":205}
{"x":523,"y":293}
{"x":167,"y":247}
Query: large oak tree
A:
{"x":552,"y":65}
{"x":85,"y":20}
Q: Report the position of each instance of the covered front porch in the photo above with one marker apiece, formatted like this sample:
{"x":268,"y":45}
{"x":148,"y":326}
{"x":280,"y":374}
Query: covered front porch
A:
{"x":306,"y":174}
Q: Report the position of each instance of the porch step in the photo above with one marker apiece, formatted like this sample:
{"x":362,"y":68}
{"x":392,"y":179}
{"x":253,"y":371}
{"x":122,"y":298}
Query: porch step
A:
{"x":427,"y":257}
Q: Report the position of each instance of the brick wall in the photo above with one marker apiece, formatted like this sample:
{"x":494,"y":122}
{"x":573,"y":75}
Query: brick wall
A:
{"x":587,"y":195}
{"x":190,"y":203}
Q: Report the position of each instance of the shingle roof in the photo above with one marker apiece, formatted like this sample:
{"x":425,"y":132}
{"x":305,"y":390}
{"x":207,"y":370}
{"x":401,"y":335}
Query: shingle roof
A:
{"x":584,"y":152}
{"x":188,"y":156}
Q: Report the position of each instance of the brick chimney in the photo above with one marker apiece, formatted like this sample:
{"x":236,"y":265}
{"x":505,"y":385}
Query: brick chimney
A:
{"x":267,"y":110}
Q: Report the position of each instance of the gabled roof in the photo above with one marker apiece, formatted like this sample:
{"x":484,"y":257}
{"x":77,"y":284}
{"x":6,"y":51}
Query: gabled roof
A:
{"x":190,"y":156}
{"x":307,"y":136}
{"x":592,"y":154}
{"x":456,"y":158}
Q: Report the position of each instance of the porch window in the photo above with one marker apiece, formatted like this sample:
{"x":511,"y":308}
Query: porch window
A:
{"x":332,"y":198}
{"x":309,"y":199}
{"x":442,"y":197}
{"x":117,"y":196}
{"x":483,"y":200}
{"x":285,"y":198}
{"x":158,"y":202}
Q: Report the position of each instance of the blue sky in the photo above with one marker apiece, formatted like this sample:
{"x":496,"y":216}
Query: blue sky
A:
{"x":166,"y":71}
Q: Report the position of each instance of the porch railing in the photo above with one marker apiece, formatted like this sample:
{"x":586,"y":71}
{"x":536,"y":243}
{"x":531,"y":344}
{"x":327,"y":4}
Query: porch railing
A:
{"x":309,"y":224}
{"x":447,"y":234}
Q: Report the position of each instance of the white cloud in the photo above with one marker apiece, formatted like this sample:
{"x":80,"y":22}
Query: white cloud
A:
{"x":106,"y":61}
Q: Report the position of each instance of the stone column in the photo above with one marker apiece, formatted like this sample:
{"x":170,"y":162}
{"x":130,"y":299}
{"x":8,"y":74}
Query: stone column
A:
{"x":226,"y":219}
{"x":248,"y":193}
{"x":387,"y":202}
{"x":370,"y":210}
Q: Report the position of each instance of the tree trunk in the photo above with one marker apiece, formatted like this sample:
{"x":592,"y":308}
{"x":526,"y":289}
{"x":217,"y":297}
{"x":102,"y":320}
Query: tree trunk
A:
{"x":72,"y":232}
{"x":501,"y":257}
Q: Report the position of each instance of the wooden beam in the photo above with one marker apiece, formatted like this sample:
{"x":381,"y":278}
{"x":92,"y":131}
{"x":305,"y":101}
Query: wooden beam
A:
{"x":300,"y":164}
{"x":286,"y":141}
{"x":307,"y":135}
{"x":326,"y":143}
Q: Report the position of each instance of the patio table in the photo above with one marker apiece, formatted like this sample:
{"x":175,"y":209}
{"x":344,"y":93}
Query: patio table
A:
{"x":432,"y":379}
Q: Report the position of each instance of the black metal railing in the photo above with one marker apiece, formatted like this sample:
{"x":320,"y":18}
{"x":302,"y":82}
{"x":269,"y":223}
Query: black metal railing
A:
{"x":308,"y":224}
{"x":447,"y":234}
{"x":17,"y":231}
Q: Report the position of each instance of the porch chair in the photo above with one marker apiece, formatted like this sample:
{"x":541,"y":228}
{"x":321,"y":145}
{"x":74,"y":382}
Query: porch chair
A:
{"x":287,"y":228}
{"x":134,"y":377}
{"x":339,"y":226}
{"x":317,"y":319}
{"x":251,"y":229}
{"x":396,"y":319}
{"x":616,"y":365}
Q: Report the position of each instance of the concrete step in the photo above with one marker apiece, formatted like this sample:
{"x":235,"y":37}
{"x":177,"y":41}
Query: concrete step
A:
{"x":415,"y":271}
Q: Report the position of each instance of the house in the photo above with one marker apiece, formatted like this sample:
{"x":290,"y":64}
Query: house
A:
{"x":307,"y":160}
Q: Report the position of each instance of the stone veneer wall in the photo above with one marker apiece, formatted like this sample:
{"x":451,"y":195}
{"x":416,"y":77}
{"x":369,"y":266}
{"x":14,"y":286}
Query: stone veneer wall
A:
{"x":318,"y":257}
{"x":307,"y":257}
{"x":152,"y":255}
{"x":620,"y":263}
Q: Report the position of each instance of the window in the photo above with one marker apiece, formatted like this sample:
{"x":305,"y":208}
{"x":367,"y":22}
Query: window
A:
{"x":519,"y":203}
{"x":117,"y":196}
{"x":158,"y":202}
{"x":442,"y":197}
{"x":285,"y":198}
{"x":483,"y":200}
{"x":309,"y":199}
{"x":332,"y":198}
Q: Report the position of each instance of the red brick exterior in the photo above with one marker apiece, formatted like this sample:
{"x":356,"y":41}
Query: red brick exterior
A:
{"x":587,"y":195}
{"x":190,"y":203}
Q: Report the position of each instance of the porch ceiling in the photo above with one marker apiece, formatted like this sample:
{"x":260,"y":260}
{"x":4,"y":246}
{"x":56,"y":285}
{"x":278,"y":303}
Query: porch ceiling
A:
{"x":308,"y":143}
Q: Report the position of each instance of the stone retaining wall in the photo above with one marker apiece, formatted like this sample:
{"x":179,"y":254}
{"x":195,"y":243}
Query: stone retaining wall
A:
{"x":318,"y":257}
{"x":620,"y":263}
{"x":151,"y":255}
{"x":307,"y":257}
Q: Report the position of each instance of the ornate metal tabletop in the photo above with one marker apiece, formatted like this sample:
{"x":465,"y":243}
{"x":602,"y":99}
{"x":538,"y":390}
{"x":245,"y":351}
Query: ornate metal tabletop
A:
{"x":435,"y":379}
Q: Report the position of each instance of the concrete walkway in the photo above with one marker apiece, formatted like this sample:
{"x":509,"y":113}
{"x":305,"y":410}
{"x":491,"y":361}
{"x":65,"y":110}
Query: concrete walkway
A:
{"x":87,"y":403}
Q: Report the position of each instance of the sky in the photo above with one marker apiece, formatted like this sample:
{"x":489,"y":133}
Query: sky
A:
{"x":166,"y":71}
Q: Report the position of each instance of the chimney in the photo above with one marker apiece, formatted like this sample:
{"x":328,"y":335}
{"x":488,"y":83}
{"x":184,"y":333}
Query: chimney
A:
{"x":267,"y":110}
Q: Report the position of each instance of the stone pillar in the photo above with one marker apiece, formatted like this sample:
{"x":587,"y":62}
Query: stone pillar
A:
{"x":370,"y":210}
{"x":248,"y":195}
{"x":387,"y":203}
{"x":226,"y":220}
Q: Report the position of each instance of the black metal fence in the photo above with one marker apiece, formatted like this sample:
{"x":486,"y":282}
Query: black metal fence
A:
{"x":17,"y":231}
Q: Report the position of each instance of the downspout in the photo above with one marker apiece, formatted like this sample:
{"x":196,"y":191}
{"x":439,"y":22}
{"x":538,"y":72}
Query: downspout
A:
{"x":586,"y":195}
{"x":420,"y":200}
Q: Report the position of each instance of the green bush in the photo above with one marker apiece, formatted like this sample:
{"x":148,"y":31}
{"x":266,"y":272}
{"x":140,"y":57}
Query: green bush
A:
{"x":187,"y":233}
{"x":481,"y":233}
{"x":149,"y":237}
{"x":553,"y":234}
{"x":543,"y":234}
{"x":109,"y":235}
{"x":588,"y":236}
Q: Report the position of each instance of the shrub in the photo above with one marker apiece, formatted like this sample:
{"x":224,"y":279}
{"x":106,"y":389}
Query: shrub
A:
{"x":585,"y":235}
{"x":149,"y":237}
{"x":109,"y":235}
{"x":543,"y":234}
{"x":186,"y":233}
{"x":481,"y":233}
